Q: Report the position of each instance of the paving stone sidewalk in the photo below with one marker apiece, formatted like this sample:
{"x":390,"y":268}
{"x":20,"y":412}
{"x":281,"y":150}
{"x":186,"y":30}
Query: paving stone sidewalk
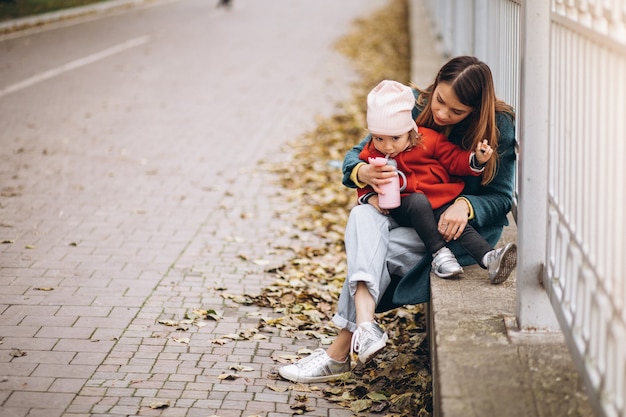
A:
{"x":109,"y":226}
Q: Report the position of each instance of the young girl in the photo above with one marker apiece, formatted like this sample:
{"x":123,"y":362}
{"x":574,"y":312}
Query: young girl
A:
{"x":430,"y":163}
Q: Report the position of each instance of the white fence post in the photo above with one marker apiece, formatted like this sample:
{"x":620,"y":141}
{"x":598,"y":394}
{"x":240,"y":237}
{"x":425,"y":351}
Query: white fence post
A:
{"x":463,"y":42}
{"x":533,"y":308}
{"x":481,"y":29}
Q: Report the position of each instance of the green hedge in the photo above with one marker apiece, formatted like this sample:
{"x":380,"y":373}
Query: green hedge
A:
{"x":13,"y":9}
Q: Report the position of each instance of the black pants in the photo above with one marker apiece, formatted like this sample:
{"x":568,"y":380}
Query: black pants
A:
{"x":415,"y":211}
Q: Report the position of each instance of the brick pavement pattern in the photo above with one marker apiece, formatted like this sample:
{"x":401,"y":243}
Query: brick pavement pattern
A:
{"x":133,"y":207}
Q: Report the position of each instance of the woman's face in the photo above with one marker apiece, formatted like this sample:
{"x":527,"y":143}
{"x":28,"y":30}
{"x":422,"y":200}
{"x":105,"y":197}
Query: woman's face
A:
{"x":446,"y":107}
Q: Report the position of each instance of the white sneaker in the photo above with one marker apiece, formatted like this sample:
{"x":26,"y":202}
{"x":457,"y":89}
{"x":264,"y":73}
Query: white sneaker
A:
{"x":445,"y":264}
{"x":368,"y":340}
{"x":501,"y":262}
{"x":317,"y":367}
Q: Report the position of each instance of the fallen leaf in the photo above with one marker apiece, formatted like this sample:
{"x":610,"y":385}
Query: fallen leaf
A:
{"x":212,"y":314}
{"x":240,"y":299}
{"x":159,"y":404}
{"x":300,"y":387}
{"x":16,"y":353}
{"x":228,"y":376}
{"x":376,"y":396}
{"x":286,"y":358}
{"x":200,"y":314}
{"x":241,"y":368}
{"x":277,"y":388}
{"x":360,"y":405}
{"x":218,"y":288}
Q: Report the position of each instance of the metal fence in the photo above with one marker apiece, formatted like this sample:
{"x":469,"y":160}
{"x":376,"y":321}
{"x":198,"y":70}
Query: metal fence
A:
{"x":562,"y":64}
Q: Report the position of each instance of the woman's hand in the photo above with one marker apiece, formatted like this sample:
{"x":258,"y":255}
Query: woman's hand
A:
{"x":374,"y":175}
{"x":453,"y":221}
{"x":373,"y":200}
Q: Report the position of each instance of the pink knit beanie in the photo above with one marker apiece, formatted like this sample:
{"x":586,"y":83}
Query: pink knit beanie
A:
{"x":389,"y":107}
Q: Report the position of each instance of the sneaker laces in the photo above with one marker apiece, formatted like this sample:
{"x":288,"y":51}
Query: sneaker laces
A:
{"x":313,"y":361}
{"x":355,"y":343}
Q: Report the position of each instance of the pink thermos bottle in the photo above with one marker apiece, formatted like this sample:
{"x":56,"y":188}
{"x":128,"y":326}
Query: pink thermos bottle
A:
{"x":389,"y":197}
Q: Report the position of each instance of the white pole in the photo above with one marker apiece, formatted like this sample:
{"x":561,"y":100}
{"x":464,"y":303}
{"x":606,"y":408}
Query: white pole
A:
{"x":481,"y":30}
{"x":533,"y":309}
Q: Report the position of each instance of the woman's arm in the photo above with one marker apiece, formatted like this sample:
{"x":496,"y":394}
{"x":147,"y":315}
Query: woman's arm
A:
{"x":351,"y":160}
{"x":492,"y":202}
{"x":486,"y":205}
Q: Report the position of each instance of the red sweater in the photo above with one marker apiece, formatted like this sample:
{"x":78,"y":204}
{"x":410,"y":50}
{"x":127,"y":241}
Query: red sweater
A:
{"x":429,"y":168}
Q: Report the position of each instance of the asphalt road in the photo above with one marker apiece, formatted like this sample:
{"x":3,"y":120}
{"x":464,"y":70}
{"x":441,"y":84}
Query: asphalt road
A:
{"x":130,"y":182}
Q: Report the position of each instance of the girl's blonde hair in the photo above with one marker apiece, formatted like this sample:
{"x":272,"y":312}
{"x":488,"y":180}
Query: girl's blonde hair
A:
{"x":472,"y":83}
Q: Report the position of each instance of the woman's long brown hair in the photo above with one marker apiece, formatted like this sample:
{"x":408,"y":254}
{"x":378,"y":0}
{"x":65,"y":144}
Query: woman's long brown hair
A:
{"x":472,"y":83}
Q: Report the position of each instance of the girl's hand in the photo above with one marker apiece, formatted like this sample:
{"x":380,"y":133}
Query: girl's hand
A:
{"x":374,"y":175}
{"x":373,"y":200}
{"x":453,"y":221}
{"x":483,"y":152}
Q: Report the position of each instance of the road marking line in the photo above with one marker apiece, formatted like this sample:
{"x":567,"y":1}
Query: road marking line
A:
{"x":81,"y":62}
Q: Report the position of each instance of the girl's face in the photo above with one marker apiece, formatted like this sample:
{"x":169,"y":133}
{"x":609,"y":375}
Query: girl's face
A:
{"x":446,"y":108}
{"x":391,"y":145}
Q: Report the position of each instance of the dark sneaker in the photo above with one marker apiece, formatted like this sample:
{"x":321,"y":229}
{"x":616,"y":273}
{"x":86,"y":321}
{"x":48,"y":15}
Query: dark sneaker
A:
{"x":368,"y":340}
{"x":501,"y":262}
{"x":317,"y":367}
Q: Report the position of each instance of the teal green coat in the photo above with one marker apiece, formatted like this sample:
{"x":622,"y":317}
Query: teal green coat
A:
{"x":491,"y":203}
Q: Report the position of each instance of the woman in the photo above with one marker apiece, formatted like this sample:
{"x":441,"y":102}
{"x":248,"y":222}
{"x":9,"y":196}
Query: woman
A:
{"x":387,"y":265}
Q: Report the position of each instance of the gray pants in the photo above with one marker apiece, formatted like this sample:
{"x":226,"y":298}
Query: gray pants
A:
{"x":377,"y":248}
